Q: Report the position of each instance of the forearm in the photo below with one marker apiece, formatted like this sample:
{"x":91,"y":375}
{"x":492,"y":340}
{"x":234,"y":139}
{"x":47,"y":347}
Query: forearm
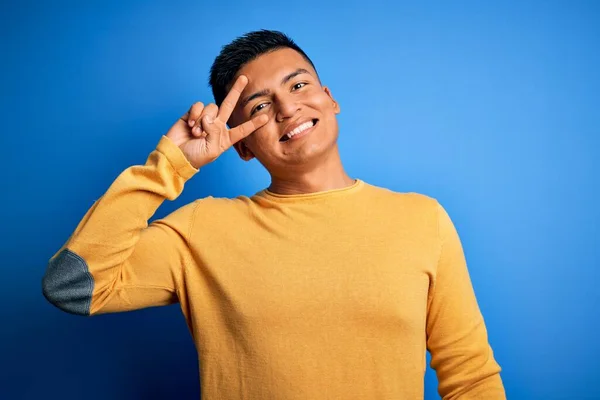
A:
{"x":106,"y":237}
{"x":487,"y":387}
{"x":469,"y":373}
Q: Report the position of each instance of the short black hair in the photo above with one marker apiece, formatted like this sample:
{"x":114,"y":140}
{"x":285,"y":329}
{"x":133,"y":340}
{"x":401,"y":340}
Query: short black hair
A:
{"x":243,"y":50}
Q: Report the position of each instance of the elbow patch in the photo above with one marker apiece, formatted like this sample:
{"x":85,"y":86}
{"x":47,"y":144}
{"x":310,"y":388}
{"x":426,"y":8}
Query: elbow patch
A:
{"x":68,"y":284}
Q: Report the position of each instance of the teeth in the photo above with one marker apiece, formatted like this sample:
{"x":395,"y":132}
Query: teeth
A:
{"x":301,"y":128}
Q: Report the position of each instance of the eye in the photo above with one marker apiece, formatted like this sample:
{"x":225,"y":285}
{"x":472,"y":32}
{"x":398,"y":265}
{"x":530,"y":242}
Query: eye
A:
{"x":258,"y":108}
{"x":299,"y":85}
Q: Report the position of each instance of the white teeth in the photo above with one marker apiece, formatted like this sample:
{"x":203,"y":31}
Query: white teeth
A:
{"x":301,"y":128}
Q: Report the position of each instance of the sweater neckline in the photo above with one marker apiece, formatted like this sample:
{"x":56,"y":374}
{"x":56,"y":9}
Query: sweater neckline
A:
{"x":357,"y":185}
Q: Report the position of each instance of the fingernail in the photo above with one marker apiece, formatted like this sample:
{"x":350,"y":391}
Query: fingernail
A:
{"x":191,"y":122}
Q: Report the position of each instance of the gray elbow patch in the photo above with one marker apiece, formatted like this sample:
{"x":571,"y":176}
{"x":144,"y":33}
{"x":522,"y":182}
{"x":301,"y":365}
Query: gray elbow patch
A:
{"x":68,"y":284}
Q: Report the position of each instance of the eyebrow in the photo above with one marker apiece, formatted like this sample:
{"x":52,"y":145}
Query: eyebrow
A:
{"x":265,"y":92}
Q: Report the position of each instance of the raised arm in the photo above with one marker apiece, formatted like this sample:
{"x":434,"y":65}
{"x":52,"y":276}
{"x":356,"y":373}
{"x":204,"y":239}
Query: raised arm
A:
{"x":456,"y":333}
{"x":115,"y":261}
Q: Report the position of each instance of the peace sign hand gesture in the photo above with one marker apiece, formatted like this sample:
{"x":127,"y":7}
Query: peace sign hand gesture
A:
{"x":202,"y":133}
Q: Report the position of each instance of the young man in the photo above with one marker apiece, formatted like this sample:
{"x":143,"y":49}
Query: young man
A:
{"x":319,"y":287}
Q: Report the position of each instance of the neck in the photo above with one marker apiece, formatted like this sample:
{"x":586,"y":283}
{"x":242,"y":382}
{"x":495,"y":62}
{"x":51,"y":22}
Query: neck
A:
{"x":327,"y":175}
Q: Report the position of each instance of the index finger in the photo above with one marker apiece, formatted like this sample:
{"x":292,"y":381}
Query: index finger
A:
{"x":239,"y":132}
{"x":232,"y":98}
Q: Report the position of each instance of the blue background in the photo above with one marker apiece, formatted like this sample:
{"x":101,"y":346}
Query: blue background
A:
{"x":491,"y":107}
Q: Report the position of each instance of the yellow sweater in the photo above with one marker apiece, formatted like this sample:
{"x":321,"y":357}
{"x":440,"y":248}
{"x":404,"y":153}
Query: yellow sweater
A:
{"x":330,"y":295}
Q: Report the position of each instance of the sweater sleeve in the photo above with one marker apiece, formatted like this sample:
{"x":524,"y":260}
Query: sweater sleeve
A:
{"x":114,"y":261}
{"x":456,"y":333}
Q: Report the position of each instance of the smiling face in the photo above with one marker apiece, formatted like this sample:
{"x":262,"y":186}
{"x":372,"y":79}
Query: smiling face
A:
{"x":302,"y":129}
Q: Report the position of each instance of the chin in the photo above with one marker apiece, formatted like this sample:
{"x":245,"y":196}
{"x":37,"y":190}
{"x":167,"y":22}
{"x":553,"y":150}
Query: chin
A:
{"x":312,"y":152}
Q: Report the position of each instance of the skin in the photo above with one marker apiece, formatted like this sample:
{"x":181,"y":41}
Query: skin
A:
{"x":268,"y":97}
{"x":202,"y":133}
{"x":307,"y":165}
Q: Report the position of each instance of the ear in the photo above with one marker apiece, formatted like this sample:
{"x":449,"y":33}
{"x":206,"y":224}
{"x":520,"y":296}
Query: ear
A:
{"x":243,"y":151}
{"x":336,"y":106}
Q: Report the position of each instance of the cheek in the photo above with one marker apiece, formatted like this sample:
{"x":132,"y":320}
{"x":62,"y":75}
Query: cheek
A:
{"x":264,"y":137}
{"x":324,"y":104}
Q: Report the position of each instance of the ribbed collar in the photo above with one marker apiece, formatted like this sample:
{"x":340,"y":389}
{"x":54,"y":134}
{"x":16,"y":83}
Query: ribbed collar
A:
{"x":356,"y":186}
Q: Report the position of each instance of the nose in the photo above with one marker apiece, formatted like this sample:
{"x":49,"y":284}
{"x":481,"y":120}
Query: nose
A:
{"x":286,"y":107}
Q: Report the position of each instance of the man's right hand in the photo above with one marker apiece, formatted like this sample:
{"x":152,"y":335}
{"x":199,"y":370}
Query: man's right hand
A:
{"x":202,"y":133}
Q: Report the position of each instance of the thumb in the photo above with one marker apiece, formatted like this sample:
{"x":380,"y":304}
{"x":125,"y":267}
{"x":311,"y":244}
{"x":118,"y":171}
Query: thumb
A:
{"x":209,"y":126}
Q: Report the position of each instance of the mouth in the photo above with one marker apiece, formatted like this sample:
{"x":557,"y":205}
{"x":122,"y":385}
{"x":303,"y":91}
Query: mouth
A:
{"x":299,"y":131}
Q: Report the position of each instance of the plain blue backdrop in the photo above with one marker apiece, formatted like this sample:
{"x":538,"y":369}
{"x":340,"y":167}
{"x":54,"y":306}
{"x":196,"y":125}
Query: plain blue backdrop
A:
{"x":490,"y":107}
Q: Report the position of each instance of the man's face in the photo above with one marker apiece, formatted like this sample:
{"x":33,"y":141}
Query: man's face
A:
{"x":283,"y":85}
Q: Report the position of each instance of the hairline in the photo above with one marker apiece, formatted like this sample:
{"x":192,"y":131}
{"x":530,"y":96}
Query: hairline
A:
{"x":229,"y":84}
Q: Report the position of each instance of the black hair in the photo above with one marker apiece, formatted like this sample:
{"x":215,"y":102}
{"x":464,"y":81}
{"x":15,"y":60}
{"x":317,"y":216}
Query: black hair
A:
{"x":243,"y":50}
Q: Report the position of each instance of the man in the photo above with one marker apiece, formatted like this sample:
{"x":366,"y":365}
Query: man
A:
{"x":319,"y":287}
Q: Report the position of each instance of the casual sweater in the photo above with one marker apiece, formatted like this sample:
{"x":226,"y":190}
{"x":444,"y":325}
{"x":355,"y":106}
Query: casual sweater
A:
{"x":329,"y":295}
